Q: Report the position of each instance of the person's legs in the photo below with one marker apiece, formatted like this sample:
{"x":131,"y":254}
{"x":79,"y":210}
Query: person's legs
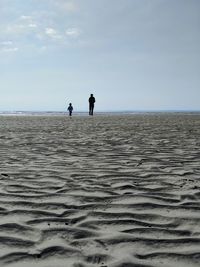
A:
{"x":92,"y":110}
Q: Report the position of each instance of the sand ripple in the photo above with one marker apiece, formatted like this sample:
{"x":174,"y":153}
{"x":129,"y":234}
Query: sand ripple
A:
{"x":108,"y":191}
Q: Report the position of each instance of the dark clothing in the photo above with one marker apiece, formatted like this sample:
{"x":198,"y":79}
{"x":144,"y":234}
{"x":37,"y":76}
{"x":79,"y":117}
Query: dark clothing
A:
{"x":91,"y":105}
{"x":70,"y":109}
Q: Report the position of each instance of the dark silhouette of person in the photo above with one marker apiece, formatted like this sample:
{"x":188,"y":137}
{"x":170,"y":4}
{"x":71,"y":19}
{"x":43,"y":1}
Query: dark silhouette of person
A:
{"x":91,"y":104}
{"x":70,"y":109}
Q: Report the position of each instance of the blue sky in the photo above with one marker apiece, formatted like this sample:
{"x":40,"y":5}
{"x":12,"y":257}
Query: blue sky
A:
{"x":131,"y":54}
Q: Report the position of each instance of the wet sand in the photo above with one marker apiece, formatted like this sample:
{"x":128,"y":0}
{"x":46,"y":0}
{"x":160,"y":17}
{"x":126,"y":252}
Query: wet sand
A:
{"x":102,"y":191}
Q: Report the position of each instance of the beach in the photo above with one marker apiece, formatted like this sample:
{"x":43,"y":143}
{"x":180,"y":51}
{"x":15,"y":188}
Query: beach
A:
{"x":101,"y":191}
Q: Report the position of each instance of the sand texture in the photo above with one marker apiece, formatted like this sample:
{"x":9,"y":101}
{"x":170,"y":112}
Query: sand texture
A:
{"x":102,"y":191}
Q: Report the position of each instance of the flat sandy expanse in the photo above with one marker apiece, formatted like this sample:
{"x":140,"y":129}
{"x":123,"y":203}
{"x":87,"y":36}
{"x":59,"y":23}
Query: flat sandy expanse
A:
{"x":102,"y":191}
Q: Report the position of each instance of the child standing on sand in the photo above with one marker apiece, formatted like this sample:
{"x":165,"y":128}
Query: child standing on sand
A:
{"x":70,"y":109}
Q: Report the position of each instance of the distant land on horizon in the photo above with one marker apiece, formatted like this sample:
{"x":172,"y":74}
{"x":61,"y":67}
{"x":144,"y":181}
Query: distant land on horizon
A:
{"x":29,"y":112}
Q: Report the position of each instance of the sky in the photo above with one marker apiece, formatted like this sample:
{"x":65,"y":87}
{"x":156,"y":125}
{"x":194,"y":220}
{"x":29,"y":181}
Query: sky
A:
{"x":131,"y":54}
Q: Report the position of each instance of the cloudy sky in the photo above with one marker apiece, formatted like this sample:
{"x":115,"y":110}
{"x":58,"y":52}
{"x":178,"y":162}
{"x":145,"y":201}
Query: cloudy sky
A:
{"x":131,"y":54}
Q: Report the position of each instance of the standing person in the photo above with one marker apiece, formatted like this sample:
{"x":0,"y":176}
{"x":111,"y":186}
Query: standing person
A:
{"x":70,"y":109}
{"x":91,"y":104}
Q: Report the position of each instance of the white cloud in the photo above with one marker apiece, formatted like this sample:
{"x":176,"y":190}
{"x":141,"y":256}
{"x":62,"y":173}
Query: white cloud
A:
{"x":15,"y":29}
{"x":43,"y":48}
{"x":28,"y":21}
{"x":23,"y":25}
{"x":24,"y":17}
{"x":72,"y":32}
{"x":5,"y":43}
{"x":52,"y":33}
{"x":9,"y":49}
{"x":67,"y":6}
{"x":32,"y":25}
{"x":8,"y":46}
{"x":46,"y":28}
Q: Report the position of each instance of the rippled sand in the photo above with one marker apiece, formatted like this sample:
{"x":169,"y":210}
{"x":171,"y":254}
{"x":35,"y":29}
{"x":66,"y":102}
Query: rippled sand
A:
{"x":105,"y":191}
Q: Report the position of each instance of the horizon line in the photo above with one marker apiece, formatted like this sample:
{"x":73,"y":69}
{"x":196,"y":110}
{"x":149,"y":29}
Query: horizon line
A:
{"x":102,"y":111}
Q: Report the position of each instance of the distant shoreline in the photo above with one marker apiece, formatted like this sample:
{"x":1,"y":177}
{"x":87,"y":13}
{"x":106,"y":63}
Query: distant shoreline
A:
{"x":98,"y":113}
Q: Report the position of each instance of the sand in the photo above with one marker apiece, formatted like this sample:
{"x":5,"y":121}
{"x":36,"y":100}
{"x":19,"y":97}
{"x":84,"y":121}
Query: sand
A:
{"x":102,"y":191}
